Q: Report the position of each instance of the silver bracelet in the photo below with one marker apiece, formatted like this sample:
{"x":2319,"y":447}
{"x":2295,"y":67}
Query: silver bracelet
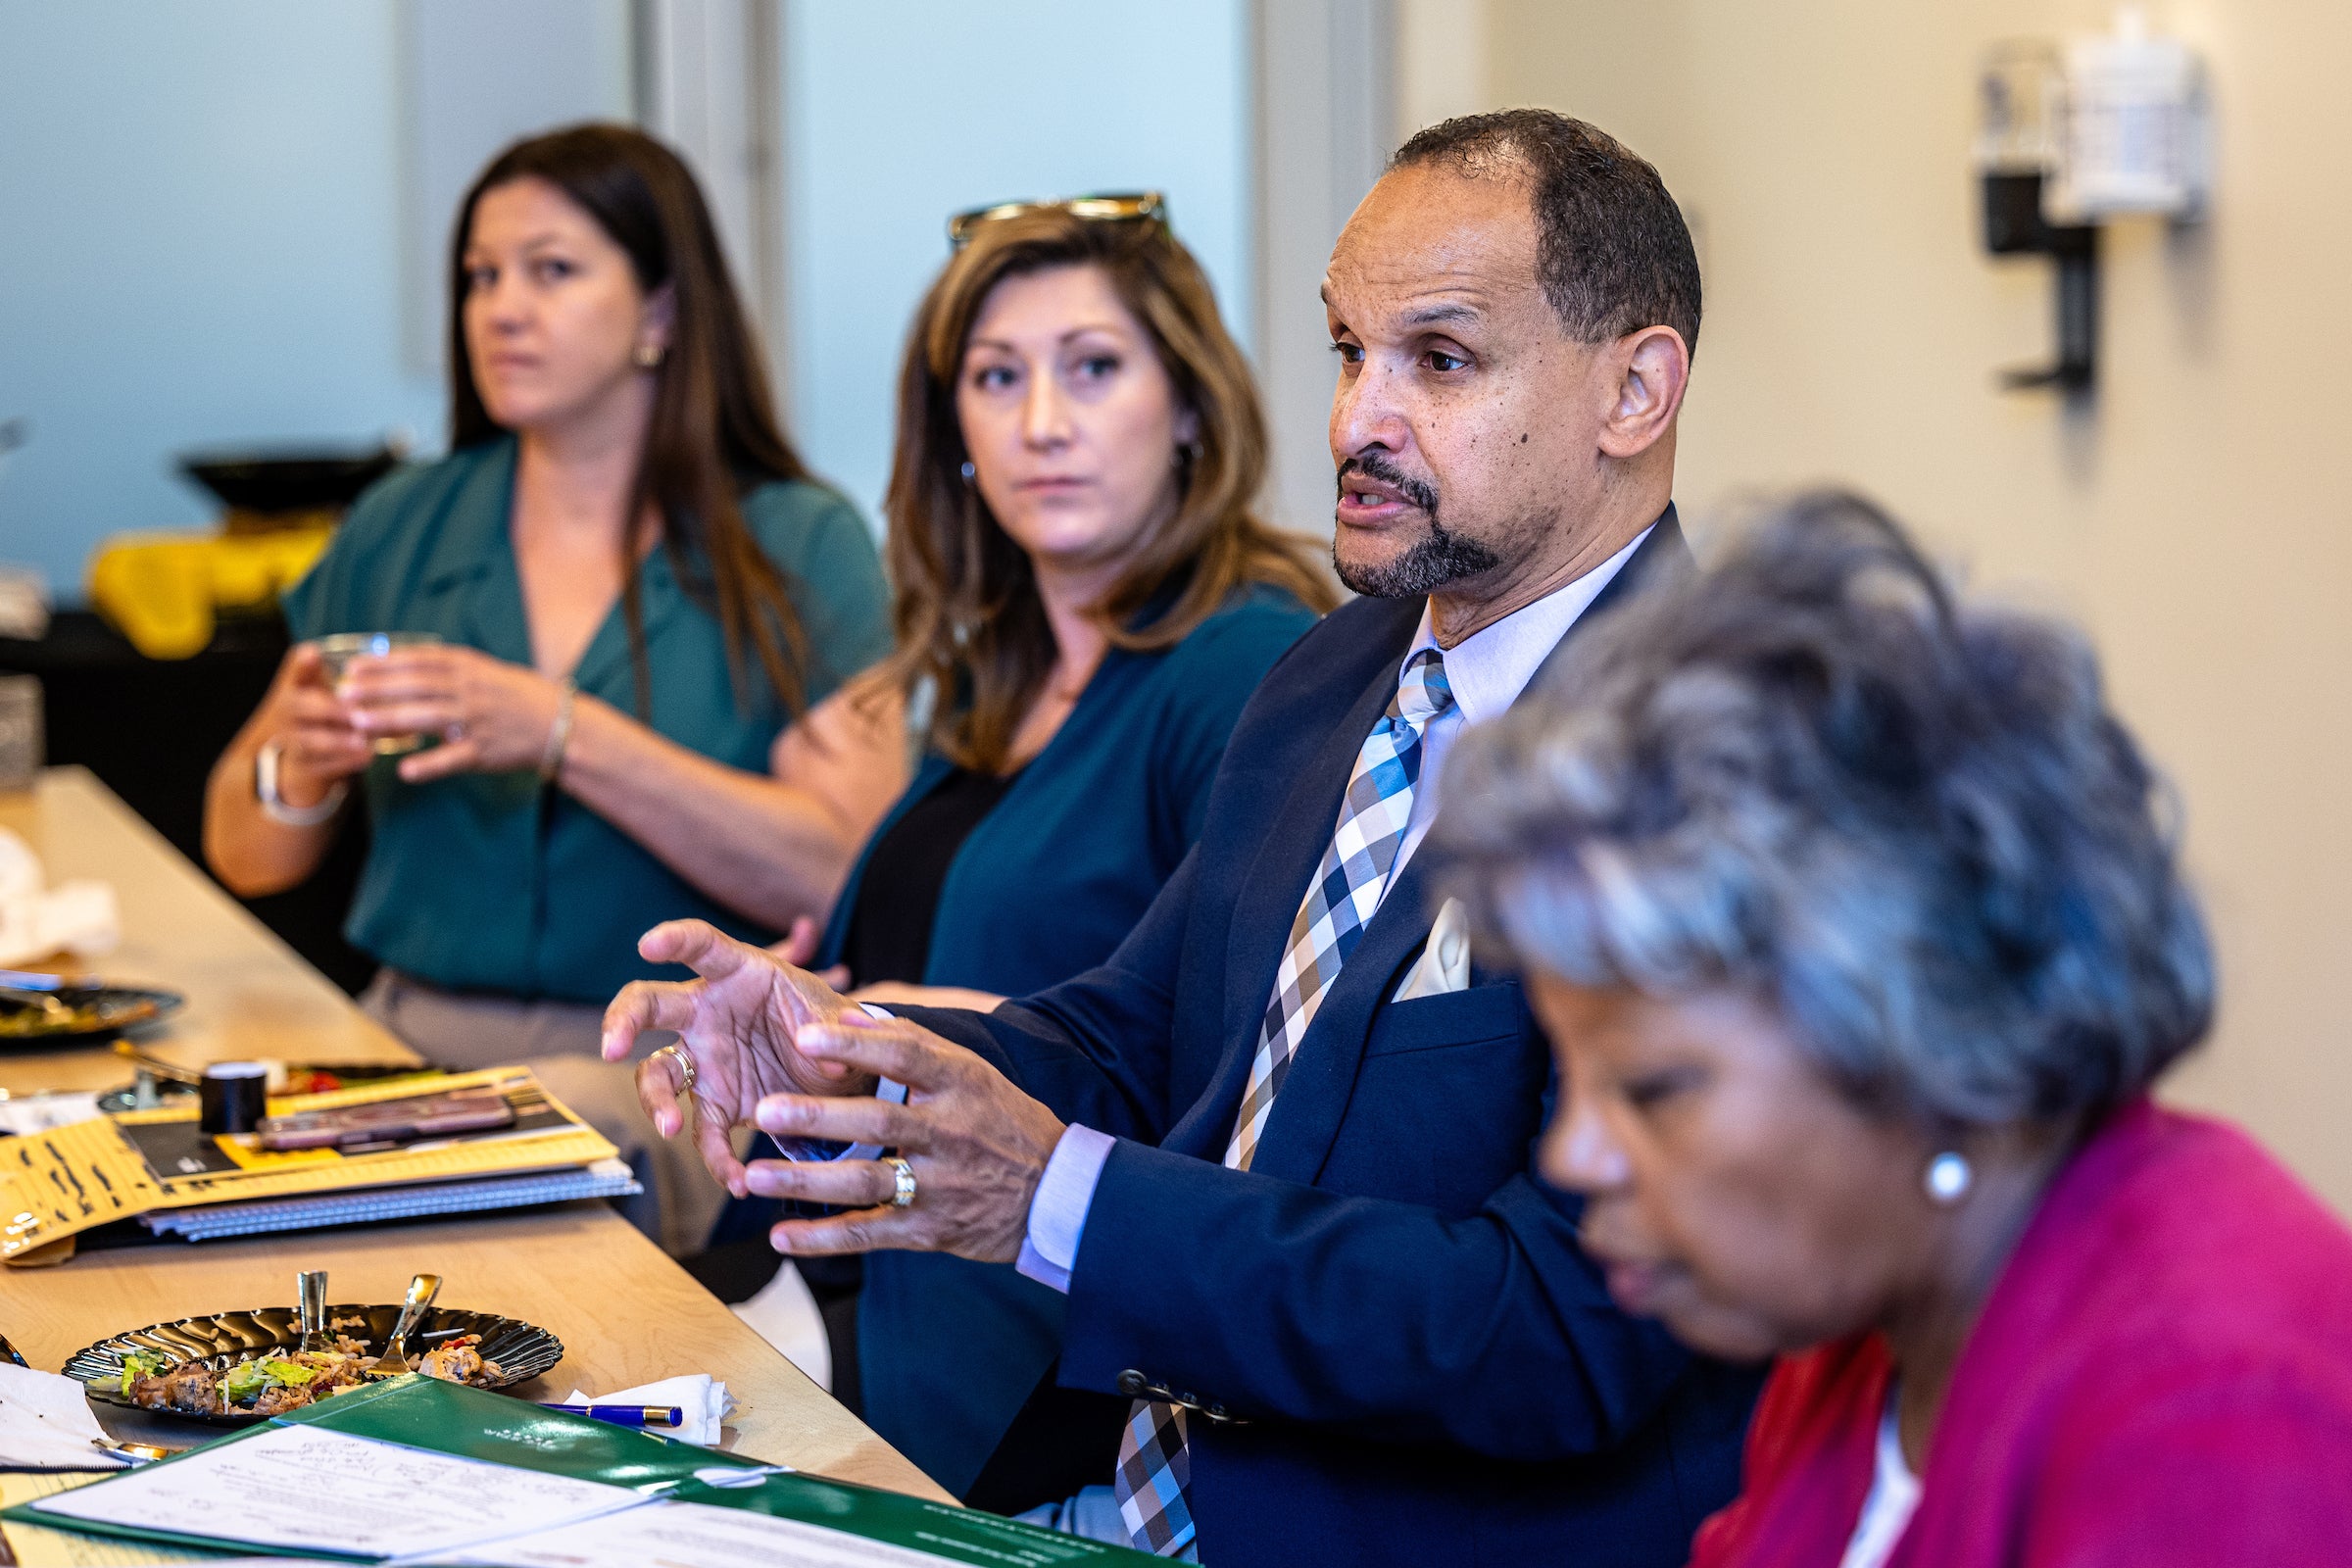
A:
{"x":273,"y":805}
{"x":559,"y":734}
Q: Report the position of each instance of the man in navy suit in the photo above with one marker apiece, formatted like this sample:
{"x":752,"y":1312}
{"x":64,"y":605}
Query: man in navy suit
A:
{"x":1279,"y":1150}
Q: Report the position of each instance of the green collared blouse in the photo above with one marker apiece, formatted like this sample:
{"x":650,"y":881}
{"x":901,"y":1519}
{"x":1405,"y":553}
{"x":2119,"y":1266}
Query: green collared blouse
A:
{"x":495,"y":882}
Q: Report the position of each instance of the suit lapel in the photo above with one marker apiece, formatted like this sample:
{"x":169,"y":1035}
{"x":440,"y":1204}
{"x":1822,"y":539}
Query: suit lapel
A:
{"x":1306,"y":1117}
{"x":1276,"y":884}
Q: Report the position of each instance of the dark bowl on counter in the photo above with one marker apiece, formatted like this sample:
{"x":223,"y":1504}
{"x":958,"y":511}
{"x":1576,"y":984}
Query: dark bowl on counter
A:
{"x":288,"y":479}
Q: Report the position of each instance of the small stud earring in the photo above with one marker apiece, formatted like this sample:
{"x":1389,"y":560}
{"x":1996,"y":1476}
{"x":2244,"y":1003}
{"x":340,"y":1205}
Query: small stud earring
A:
{"x":1948,"y":1178}
{"x":649,"y":355}
{"x":969,"y":472}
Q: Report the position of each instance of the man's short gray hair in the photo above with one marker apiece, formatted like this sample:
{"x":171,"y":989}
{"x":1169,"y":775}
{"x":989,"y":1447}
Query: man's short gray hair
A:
{"x":1908,"y":823}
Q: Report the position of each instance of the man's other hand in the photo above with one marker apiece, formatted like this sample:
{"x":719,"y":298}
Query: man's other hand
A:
{"x":976,"y":1146}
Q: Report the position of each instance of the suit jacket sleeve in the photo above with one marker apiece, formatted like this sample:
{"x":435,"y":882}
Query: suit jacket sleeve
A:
{"x":1493,"y":1332}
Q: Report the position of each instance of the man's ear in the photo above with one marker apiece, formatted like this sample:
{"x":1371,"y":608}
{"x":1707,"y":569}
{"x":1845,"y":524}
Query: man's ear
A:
{"x":1652,"y":368}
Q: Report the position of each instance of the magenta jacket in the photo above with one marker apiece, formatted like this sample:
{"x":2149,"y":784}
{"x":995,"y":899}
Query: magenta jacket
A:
{"x":2162,"y":1377}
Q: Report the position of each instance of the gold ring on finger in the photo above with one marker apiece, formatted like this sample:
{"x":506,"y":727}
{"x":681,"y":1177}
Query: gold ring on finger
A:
{"x":683,"y":1061}
{"x":901,"y":1177}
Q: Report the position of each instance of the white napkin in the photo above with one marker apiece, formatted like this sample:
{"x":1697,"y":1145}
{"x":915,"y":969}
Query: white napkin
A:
{"x":35,"y":920}
{"x":704,"y":1403}
{"x":1446,"y":961}
{"x":23,"y":601}
{"x":45,"y":1423}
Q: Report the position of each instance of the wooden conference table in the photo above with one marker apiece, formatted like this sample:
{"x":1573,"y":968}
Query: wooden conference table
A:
{"x":626,"y":1314}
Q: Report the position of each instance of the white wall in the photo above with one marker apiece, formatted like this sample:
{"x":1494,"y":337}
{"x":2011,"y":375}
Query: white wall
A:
{"x":2192,"y":514}
{"x":897,"y":115}
{"x":466,"y":93}
{"x":1326,"y":112}
{"x":199,"y":245}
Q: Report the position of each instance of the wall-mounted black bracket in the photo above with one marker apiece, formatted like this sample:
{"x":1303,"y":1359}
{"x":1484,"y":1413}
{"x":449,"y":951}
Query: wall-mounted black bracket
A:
{"x":2013,"y":226}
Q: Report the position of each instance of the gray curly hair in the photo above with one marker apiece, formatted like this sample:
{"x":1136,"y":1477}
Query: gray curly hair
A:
{"x":1912,"y":825}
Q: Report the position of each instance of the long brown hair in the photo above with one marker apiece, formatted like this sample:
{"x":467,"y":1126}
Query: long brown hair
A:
{"x":712,"y":435}
{"x":968,"y":616}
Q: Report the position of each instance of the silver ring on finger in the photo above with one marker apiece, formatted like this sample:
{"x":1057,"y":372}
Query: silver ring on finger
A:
{"x":683,"y":1061}
{"x":901,"y":1177}
{"x":455,"y":730}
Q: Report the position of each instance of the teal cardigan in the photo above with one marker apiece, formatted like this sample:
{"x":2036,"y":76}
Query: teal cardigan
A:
{"x":1099,"y":818}
{"x":1044,"y":888}
{"x":495,"y":882}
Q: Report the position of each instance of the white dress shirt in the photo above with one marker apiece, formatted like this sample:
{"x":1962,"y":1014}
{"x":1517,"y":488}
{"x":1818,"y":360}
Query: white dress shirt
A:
{"x":1487,"y":671}
{"x":1893,"y":1497}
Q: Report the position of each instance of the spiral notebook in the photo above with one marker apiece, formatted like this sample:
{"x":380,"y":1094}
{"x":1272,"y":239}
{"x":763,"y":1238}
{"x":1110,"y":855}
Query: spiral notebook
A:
{"x":59,"y":1182}
{"x":606,"y":1178}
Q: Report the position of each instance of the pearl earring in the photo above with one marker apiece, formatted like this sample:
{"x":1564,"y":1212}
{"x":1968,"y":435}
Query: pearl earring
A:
{"x":649,"y":355}
{"x":1948,"y":1178}
{"x":969,"y":472}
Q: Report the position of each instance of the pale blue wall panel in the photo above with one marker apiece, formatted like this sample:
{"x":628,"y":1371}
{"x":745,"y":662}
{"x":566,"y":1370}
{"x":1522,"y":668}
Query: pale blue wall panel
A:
{"x":898,"y":113}
{"x":199,"y":245}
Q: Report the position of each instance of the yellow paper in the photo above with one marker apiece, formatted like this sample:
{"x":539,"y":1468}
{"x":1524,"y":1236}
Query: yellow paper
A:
{"x":67,"y":1179}
{"x":57,"y":1183}
{"x":247,"y":1150}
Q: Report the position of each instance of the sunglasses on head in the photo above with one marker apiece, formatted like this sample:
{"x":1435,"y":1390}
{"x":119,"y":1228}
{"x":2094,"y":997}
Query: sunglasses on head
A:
{"x":1127,"y":207}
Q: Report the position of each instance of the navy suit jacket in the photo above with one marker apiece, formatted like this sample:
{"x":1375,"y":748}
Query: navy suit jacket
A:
{"x":1425,"y":1366}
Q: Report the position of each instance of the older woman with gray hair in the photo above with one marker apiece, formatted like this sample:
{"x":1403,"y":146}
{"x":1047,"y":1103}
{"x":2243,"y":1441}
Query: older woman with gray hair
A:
{"x":1861,"y":939}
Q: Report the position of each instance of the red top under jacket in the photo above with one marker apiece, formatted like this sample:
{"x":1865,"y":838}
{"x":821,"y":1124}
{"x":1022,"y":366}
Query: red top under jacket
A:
{"x":2162,"y":1377}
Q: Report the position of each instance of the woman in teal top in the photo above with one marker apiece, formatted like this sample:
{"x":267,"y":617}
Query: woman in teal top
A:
{"x":1080,"y":573}
{"x":490,"y":881}
{"x":643,"y":607}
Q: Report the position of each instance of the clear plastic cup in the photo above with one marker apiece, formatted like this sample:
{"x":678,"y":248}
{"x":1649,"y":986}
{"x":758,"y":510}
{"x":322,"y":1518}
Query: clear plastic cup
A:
{"x":337,"y":652}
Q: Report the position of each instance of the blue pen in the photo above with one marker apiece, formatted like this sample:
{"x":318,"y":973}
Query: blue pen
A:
{"x":626,"y":1415}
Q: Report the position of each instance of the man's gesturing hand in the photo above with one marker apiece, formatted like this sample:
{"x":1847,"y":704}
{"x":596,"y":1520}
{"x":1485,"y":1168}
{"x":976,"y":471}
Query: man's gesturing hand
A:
{"x":738,"y":1022}
{"x":976,"y":1145}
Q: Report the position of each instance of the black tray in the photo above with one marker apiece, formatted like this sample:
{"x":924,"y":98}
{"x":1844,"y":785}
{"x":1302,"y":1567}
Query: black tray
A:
{"x":522,"y":1350}
{"x":122,"y":1007}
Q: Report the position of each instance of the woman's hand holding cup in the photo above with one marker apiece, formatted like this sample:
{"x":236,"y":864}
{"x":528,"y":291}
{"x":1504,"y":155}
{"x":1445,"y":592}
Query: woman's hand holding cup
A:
{"x":489,"y":716}
{"x":318,"y":746}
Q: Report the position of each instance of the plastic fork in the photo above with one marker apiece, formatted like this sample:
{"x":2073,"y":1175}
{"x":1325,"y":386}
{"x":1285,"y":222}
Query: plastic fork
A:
{"x":395,"y":1359}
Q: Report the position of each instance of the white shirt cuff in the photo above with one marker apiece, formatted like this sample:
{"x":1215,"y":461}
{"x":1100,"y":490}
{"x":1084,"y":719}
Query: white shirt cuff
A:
{"x":884,"y":1089}
{"x":1058,"y":1212}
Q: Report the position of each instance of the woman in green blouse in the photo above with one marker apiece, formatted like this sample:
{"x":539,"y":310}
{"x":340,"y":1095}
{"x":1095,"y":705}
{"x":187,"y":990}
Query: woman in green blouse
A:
{"x":645,"y":610}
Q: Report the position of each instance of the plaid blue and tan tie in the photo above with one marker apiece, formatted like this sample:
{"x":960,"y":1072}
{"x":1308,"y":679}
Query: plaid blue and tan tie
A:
{"x":1339,"y":903}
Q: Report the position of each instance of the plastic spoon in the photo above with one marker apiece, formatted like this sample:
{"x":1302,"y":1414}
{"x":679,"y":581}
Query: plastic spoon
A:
{"x":310,"y":1285}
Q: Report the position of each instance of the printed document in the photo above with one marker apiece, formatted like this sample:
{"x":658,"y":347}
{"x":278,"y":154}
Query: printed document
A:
{"x":693,"y":1535}
{"x":306,"y":1487}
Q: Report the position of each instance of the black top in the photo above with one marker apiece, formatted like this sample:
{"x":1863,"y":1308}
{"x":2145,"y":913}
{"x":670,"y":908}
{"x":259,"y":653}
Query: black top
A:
{"x":897,"y":898}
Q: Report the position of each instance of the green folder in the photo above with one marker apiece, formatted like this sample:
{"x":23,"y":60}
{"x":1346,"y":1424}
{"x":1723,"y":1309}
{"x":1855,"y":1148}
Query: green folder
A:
{"x":450,"y":1418}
